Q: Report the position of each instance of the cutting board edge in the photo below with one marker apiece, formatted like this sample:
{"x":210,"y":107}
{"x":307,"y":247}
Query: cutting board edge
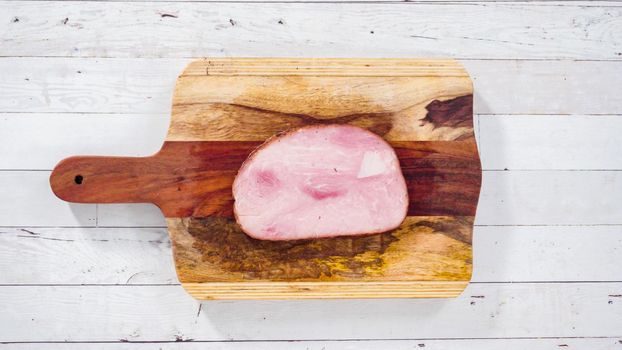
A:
{"x":338,"y":67}
{"x":324,"y":290}
{"x":338,"y":289}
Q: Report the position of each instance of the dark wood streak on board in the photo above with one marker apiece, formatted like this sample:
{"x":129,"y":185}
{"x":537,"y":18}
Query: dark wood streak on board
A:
{"x":454,"y":113}
{"x":223,"y":243}
{"x":457,"y":112}
{"x":207,"y":245}
{"x":460,"y":227}
{"x":378,"y":123}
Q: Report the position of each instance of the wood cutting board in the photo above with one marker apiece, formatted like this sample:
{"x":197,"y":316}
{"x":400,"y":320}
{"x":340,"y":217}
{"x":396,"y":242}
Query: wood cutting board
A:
{"x":224,"y":108}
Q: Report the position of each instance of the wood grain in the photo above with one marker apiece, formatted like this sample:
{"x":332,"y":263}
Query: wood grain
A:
{"x":224,"y":108}
{"x":121,"y":29}
{"x":167,"y":313}
{"x":530,"y":142}
{"x":324,"y":290}
{"x":334,"y":67}
{"x":127,"y":86}
{"x":27,"y":197}
{"x":301,"y":92}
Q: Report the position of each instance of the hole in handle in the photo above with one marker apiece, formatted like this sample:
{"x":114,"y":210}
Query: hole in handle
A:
{"x":78,"y":179}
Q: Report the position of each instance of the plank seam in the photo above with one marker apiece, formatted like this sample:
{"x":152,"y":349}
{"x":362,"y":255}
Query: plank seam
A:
{"x":91,"y":285}
{"x":160,"y":115}
{"x":534,"y":3}
{"x":307,"y":340}
{"x":553,"y":59}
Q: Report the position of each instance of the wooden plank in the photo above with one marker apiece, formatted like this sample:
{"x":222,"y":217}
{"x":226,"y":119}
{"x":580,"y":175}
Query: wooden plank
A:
{"x":132,"y":215}
{"x":27,"y":200}
{"x":91,"y":85}
{"x":143,"y":255}
{"x":49,"y":137}
{"x":516,"y":142}
{"x":547,"y":253}
{"x":550,"y":198}
{"x":521,"y":142}
{"x":86,"y":256}
{"x":507,"y":198}
{"x":428,"y":344}
{"x":552,"y":87}
{"x":193,"y":29}
{"x":167,"y":313}
{"x":130,"y":86}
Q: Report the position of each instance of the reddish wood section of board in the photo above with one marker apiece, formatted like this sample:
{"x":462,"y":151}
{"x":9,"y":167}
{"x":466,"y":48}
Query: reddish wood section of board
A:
{"x":194,"y":178}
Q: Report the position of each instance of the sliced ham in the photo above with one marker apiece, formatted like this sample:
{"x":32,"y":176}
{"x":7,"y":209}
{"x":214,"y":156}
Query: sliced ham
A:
{"x":320,"y":181}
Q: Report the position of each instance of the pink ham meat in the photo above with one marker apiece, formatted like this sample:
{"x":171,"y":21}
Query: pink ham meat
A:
{"x":320,"y":181}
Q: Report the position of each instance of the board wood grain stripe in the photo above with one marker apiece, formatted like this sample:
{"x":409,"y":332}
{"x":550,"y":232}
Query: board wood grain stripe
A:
{"x":423,"y":248}
{"x":326,"y":67}
{"x":194,"y":178}
{"x":330,"y":290}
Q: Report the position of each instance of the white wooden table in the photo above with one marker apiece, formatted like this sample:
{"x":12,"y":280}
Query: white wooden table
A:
{"x":96,"y":77}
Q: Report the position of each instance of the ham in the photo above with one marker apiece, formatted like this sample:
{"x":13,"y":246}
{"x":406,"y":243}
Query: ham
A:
{"x":320,"y":181}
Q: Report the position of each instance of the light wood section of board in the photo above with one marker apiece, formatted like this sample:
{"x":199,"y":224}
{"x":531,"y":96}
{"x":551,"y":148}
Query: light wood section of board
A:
{"x":324,"y":290}
{"x":436,"y":249}
{"x":338,"y":67}
{"x":251,"y":100}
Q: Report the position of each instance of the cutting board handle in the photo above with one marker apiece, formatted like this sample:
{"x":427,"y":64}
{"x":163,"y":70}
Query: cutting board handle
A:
{"x":94,"y":179}
{"x":182,"y":179}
